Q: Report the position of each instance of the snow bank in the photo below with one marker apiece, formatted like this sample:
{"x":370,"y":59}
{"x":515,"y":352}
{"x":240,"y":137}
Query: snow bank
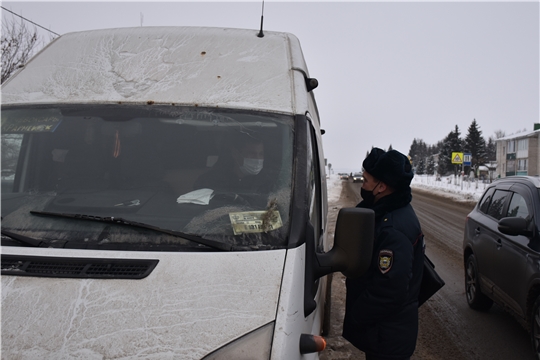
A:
{"x":457,"y":189}
{"x":334,"y":188}
{"x":450,"y":187}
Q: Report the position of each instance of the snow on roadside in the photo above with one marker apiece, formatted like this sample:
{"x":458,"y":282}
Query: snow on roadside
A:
{"x":333,"y":187}
{"x":456,"y":189}
{"x":450,"y":187}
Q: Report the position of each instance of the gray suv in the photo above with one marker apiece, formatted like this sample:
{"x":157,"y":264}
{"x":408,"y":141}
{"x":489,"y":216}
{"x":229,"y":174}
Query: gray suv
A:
{"x":501,"y":251}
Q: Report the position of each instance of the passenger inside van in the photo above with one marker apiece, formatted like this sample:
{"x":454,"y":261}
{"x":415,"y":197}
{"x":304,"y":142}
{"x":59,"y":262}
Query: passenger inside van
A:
{"x":240,"y":169}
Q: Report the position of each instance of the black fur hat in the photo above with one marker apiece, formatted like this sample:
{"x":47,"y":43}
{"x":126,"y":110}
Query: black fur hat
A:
{"x":391,"y":167}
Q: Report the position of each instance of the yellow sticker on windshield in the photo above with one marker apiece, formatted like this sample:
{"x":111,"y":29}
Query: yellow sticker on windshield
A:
{"x":255,"y":221}
{"x":30,"y":121}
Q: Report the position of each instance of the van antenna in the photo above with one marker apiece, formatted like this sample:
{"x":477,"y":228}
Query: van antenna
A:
{"x":262,"y":17}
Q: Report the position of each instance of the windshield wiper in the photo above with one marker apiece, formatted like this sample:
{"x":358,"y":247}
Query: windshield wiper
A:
{"x":121,"y":221}
{"x":28,"y":241}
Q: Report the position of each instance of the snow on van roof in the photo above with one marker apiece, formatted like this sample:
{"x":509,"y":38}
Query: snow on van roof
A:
{"x":182,"y":65}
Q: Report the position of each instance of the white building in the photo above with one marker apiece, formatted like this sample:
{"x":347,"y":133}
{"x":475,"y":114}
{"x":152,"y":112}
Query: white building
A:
{"x":519,"y":154}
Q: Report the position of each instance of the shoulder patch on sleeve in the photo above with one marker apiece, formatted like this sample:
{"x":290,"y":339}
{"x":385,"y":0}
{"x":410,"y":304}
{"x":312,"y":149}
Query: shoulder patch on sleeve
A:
{"x":386,"y":258}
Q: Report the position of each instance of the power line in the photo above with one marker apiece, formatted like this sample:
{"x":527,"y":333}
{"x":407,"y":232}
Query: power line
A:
{"x":30,"y":21}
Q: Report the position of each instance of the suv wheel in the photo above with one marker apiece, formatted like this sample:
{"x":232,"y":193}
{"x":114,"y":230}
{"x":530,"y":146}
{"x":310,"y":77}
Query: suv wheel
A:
{"x":475,"y":298}
{"x":535,"y":327}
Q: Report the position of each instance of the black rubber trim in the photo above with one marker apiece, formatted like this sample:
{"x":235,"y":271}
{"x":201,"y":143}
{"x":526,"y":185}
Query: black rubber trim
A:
{"x":299,"y":207}
{"x":86,"y":268}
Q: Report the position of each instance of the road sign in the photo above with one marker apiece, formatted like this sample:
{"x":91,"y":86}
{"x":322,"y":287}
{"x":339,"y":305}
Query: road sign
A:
{"x":467,"y":159}
{"x":457,"y":158}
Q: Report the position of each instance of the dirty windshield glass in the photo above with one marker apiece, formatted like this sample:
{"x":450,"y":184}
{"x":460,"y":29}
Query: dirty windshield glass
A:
{"x":210,"y":173}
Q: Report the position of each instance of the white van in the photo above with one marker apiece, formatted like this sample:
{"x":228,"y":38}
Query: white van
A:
{"x":133,"y":227}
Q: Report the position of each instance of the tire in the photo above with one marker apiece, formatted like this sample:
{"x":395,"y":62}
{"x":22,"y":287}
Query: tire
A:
{"x":475,"y":298}
{"x":535,"y":327}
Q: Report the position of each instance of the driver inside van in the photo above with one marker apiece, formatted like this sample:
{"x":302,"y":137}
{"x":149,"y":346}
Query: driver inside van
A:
{"x":240,"y":170}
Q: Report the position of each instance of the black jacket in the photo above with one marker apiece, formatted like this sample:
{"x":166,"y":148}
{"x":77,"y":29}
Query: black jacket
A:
{"x":381,"y":316}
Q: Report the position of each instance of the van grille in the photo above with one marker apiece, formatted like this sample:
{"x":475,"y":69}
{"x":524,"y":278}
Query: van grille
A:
{"x":77,"y":267}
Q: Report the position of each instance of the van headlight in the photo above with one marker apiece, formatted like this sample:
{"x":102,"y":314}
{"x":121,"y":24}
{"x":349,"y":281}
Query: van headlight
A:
{"x":244,"y":347}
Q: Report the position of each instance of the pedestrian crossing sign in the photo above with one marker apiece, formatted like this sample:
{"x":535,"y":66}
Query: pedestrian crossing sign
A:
{"x":457,"y":158}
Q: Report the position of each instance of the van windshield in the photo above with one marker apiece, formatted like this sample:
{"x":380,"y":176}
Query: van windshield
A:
{"x":212,"y":174}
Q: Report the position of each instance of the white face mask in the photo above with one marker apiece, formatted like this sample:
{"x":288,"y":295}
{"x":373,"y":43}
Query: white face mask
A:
{"x":252,"y":166}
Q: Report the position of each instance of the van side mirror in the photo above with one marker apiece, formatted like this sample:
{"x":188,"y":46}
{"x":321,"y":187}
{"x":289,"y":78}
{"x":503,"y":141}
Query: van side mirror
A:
{"x":353,"y":244}
{"x":515,"y":226}
{"x":351,"y":253}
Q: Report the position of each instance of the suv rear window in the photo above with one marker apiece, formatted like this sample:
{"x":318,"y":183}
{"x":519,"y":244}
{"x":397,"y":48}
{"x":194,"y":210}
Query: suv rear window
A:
{"x":486,"y":200}
{"x":497,"y":204}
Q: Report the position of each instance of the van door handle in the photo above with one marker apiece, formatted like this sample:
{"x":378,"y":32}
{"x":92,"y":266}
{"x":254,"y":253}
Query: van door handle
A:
{"x":499,"y":244}
{"x":477,"y":231}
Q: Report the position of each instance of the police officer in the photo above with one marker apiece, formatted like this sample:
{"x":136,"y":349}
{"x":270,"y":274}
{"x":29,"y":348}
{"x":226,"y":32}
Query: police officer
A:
{"x":381,"y":316}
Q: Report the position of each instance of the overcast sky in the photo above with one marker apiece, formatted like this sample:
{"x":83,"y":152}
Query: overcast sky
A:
{"x":388,"y":72}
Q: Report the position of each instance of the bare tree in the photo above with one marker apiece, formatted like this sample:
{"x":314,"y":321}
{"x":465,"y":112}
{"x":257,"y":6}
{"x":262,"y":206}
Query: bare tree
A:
{"x":499,"y":134}
{"x":18,"y":43}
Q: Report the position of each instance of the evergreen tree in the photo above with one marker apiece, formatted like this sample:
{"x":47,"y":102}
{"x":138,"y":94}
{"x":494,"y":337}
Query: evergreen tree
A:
{"x":455,"y":140}
{"x":421,"y":167}
{"x":390,"y":147}
{"x":491,"y":150}
{"x":413,"y":148}
{"x":418,"y":151}
{"x":445,"y":164}
{"x":451,"y":143}
{"x":423,"y":153}
{"x":433,"y":149}
{"x":476,"y":145}
{"x":430,"y":167}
